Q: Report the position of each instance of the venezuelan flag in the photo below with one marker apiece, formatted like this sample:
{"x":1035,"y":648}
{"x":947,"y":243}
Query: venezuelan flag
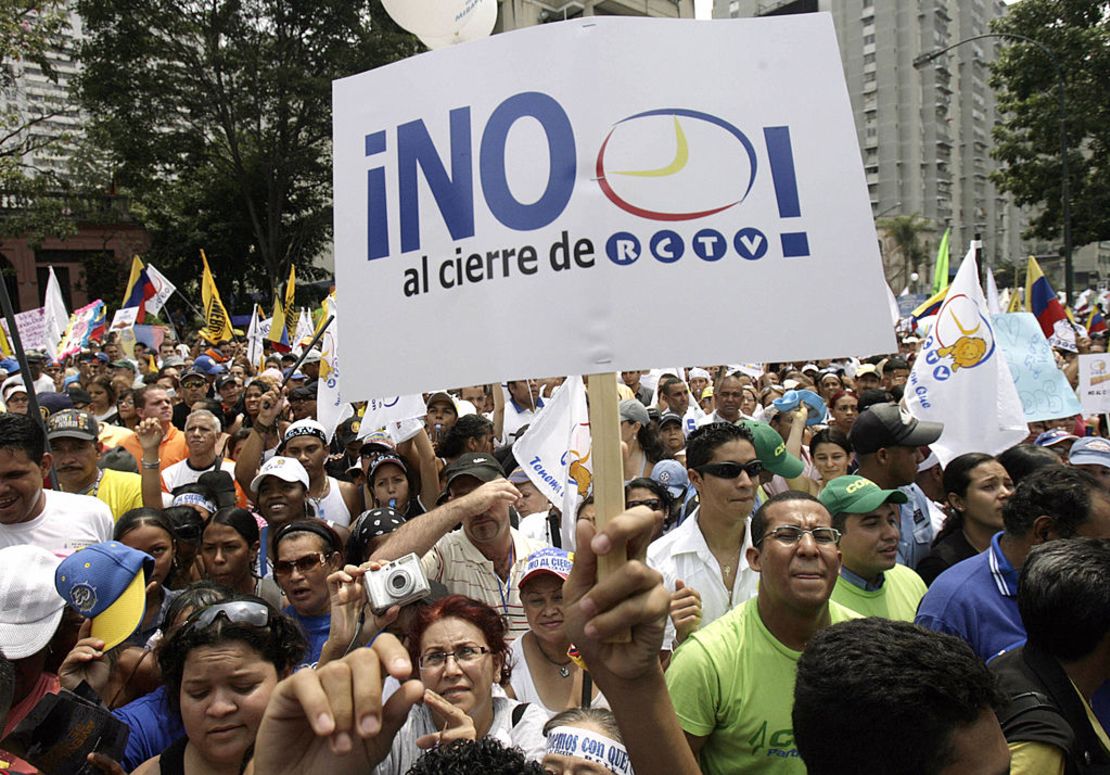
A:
{"x":1041,"y":300}
{"x":1095,"y":322}
{"x":140,"y":288}
{"x":930,"y":306}
{"x":279,"y":334}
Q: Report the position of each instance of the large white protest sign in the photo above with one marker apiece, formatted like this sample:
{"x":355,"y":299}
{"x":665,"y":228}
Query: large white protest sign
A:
{"x":525,"y":212}
{"x":1043,"y":388}
{"x":1094,"y":383}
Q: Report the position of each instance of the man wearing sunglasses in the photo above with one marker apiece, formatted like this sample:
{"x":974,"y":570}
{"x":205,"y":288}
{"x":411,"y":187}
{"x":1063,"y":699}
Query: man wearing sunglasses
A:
{"x":732,"y":684}
{"x":871,"y":582}
{"x":703,"y":560}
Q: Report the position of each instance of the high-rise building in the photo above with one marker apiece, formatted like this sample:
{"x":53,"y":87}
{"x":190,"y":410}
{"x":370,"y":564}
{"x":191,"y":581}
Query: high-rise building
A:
{"x":514,"y":14}
{"x":924,"y":134}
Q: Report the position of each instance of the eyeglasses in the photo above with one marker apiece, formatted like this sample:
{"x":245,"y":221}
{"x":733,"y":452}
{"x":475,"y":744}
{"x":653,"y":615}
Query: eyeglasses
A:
{"x":464,"y":655}
{"x":303,"y":564}
{"x":790,"y":535}
{"x":236,"y":612}
{"x":654,"y":504}
{"x":729,"y":470}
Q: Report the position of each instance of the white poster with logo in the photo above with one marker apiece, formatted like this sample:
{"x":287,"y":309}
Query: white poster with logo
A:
{"x":1094,"y":383}
{"x":530,"y":219}
{"x":32,"y":328}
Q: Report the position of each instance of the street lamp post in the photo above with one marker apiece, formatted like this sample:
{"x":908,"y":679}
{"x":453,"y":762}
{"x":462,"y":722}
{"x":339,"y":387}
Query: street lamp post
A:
{"x":1065,"y":185}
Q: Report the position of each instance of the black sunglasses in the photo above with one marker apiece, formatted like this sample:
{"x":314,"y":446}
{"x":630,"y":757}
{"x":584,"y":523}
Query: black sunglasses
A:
{"x":730,"y":470}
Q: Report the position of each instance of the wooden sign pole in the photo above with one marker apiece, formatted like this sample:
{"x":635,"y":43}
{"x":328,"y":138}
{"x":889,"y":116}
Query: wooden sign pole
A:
{"x":608,"y":468}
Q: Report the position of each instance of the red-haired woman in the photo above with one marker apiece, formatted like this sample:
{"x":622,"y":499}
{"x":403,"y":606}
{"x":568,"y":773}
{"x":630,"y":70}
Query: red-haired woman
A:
{"x":459,"y":647}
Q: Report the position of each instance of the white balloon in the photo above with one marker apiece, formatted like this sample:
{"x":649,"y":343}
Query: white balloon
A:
{"x":479,"y":23}
{"x":435,"y":18}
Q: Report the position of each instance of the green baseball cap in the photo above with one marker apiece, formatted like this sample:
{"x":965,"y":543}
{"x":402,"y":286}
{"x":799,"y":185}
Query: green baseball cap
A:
{"x":856,"y":495}
{"x":771,"y":450}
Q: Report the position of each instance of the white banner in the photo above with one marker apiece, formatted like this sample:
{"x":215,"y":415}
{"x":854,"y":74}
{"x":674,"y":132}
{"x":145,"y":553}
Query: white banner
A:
{"x":55,"y":317}
{"x":461,"y":183}
{"x":961,"y":378}
{"x":1094,"y":383}
{"x":555,"y":452}
{"x":32,"y":328}
{"x":381,"y":412}
{"x":163,"y":289}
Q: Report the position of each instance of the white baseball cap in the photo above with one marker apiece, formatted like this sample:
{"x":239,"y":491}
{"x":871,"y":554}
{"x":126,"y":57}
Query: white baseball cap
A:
{"x":30,"y":606}
{"x":287,"y":469}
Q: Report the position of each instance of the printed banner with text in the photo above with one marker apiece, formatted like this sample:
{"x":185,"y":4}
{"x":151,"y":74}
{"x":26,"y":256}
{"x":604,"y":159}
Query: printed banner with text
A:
{"x":533,"y":211}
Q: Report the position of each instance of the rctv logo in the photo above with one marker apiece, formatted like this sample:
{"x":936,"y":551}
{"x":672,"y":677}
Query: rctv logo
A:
{"x":665,"y":164}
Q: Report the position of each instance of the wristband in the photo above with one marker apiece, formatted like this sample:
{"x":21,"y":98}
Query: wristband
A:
{"x":151,"y":466}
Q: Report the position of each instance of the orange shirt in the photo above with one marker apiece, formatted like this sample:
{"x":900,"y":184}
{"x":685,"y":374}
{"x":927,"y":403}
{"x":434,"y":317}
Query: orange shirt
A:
{"x":171,"y":450}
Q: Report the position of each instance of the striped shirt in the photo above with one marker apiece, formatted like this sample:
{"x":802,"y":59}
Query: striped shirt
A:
{"x":458,"y":565}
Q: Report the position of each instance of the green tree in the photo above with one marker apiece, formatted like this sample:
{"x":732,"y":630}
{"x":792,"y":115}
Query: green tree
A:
{"x":1027,"y":142}
{"x":904,"y":233}
{"x":30,"y":30}
{"x":218,"y":116}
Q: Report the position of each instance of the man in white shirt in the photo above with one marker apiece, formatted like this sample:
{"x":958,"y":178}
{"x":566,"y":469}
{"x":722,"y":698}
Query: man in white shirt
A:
{"x":59,"y":522}
{"x":202,"y":432}
{"x":704,"y":558}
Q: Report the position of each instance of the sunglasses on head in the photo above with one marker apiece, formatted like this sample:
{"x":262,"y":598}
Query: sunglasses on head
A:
{"x":237,"y":612}
{"x":730,"y":470}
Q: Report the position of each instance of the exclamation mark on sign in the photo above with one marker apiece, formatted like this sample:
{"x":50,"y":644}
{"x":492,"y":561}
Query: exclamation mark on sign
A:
{"x":795,"y":244}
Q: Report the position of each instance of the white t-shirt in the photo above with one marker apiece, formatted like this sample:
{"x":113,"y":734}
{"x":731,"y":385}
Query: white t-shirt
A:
{"x":181,"y":473}
{"x":536,"y":527}
{"x":525,"y":688}
{"x":527,"y":735}
{"x":68,"y":522}
{"x":45,"y":384}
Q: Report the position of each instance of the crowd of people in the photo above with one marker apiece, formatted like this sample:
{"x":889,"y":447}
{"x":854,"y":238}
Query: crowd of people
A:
{"x":189,"y":557}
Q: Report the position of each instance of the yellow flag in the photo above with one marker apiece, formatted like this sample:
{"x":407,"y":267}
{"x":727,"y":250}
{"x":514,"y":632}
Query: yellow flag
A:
{"x":217,"y":323}
{"x":5,"y":346}
{"x":1015,"y":301}
{"x":290,"y":292}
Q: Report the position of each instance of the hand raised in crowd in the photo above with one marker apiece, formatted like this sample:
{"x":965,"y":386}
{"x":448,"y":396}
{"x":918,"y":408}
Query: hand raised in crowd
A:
{"x":459,"y":725}
{"x":633,"y":597}
{"x":270,"y":407}
{"x":331,"y":721}
{"x":347,"y":591}
{"x":685,"y":610}
{"x":150,"y":434}
{"x":483,"y":498}
{"x":86,"y":662}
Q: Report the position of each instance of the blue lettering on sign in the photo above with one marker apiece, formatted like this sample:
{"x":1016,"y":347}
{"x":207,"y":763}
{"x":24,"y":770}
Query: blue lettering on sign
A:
{"x":454,"y":192}
{"x":750,"y":243}
{"x":623,"y":248}
{"x":667,"y":246}
{"x":942,"y":372}
{"x":709,"y":245}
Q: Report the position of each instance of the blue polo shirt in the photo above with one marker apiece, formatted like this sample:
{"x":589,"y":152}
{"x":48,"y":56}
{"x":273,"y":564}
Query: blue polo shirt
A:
{"x":155,"y":726}
{"x":976,"y":600}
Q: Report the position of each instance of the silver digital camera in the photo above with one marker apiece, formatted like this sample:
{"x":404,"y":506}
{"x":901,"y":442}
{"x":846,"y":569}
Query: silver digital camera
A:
{"x":398,"y":582}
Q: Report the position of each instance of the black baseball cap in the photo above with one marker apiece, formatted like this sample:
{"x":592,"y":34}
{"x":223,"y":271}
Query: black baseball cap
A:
{"x":481,"y":466}
{"x":887,"y":425}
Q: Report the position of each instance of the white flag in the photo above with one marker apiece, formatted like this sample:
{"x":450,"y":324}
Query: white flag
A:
{"x":381,"y":412}
{"x":895,"y":316}
{"x":961,"y":378}
{"x":305,"y":329}
{"x":163,"y":289}
{"x":55,"y":317}
{"x":331,"y":409}
{"x":555,"y":452}
{"x":994,"y":302}
{"x":256,"y":346}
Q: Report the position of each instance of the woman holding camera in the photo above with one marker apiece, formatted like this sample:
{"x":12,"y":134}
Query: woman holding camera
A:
{"x":220,"y":669}
{"x":305,"y":553}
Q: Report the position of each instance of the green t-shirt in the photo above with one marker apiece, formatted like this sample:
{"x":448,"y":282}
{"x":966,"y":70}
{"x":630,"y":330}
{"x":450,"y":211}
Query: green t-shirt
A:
{"x":733,"y":682}
{"x":896,"y":599}
{"x":121,"y":490}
